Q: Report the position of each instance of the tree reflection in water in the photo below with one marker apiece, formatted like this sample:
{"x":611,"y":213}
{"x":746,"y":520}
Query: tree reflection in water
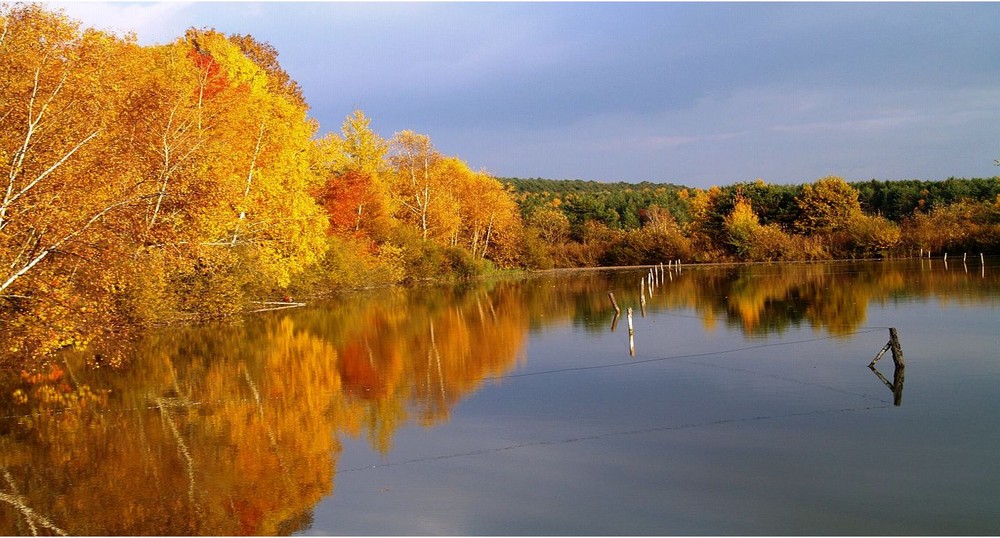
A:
{"x":237,"y":429}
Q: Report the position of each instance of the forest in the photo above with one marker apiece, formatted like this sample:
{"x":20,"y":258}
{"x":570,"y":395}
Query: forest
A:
{"x":143,"y":185}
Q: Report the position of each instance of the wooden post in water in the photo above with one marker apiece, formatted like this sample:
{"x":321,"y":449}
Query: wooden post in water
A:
{"x":631,"y":333}
{"x":898,"y":372}
{"x":894,"y":345}
{"x":614,"y":303}
{"x":642,"y":297}
{"x":897,"y":386}
{"x":897,"y":348}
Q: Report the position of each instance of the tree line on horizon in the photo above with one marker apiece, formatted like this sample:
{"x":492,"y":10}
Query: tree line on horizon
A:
{"x":148,"y":184}
{"x":594,"y":223}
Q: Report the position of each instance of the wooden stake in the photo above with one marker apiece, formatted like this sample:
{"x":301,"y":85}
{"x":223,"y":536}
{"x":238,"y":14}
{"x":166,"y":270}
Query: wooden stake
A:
{"x":631,"y":334}
{"x":897,"y":348}
{"x":614,"y":303}
{"x":879,"y":354}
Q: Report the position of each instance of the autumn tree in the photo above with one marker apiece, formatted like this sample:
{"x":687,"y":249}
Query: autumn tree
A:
{"x":415,"y":187}
{"x":66,"y":193}
{"x":873,"y":235}
{"x":552,"y":225}
{"x":55,"y":111}
{"x":826,"y":205}
{"x":247,"y":203}
{"x":742,"y":227}
{"x":356,"y":191}
{"x":137,"y":176}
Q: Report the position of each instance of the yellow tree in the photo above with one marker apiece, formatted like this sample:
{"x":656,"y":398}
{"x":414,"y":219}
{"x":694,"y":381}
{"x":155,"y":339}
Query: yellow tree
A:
{"x":742,"y":226}
{"x":827,"y":205}
{"x":128,"y":171}
{"x":259,"y":204}
{"x":67,"y":189}
{"x":489,"y":214}
{"x":415,"y":188}
{"x":60,"y":90}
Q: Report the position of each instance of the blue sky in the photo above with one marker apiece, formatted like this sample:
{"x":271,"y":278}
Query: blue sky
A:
{"x":697,"y":94}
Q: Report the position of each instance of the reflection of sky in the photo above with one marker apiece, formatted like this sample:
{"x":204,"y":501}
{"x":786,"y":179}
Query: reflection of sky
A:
{"x":786,"y":439}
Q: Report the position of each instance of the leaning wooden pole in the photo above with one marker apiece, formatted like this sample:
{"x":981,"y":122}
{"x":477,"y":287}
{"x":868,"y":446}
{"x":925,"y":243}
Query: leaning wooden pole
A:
{"x":614,"y":303}
{"x":898,"y":373}
{"x":895,"y":346}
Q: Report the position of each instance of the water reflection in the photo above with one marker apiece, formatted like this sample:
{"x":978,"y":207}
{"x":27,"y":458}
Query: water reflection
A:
{"x":895,"y":386}
{"x":237,"y":429}
{"x":899,"y":366}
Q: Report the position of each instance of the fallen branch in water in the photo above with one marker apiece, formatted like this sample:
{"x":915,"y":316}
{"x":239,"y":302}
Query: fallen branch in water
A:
{"x":274,"y":305}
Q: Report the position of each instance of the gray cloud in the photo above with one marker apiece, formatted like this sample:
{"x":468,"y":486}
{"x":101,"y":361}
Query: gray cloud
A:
{"x":684,"y":92}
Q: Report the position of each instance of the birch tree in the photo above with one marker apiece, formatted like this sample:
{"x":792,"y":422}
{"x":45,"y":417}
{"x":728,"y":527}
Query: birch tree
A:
{"x":56,"y":110}
{"x":415,"y":189}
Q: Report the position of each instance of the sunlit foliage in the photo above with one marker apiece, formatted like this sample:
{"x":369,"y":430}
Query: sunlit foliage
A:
{"x":143,"y":184}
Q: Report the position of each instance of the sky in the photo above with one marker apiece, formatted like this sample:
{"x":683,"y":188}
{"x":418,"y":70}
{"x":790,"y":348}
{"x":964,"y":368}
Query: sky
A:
{"x":696,"y":94}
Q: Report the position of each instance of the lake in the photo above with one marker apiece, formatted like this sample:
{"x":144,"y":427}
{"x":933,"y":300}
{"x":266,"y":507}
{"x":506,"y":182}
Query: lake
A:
{"x":744,"y":404}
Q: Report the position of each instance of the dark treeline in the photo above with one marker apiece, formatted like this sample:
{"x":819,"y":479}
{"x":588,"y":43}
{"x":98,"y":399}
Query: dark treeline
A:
{"x":896,"y":200}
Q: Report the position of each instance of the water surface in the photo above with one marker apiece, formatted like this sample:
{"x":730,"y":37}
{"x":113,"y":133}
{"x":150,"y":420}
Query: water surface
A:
{"x":744,"y":405}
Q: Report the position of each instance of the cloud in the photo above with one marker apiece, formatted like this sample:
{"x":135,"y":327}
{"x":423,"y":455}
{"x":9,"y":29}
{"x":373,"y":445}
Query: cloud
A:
{"x":153,"y":22}
{"x":682,"y":92}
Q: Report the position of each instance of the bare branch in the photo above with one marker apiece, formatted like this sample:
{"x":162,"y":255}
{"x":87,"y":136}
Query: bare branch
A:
{"x":51,"y":169}
{"x":30,"y":515}
{"x":246,"y":191}
{"x":4,"y":33}
{"x":169,"y":141}
{"x":54,"y":246}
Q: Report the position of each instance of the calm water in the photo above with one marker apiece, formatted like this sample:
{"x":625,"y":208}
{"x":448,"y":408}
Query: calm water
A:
{"x":744,"y":405}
